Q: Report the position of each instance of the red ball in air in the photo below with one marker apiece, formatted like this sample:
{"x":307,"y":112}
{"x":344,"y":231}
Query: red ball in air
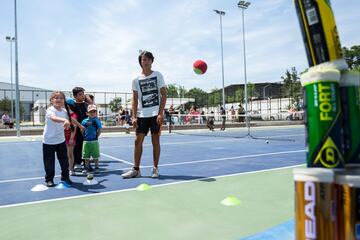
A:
{"x":200,"y":67}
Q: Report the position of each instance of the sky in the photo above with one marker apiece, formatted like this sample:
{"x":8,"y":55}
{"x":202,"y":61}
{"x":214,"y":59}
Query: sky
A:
{"x":95,"y":43}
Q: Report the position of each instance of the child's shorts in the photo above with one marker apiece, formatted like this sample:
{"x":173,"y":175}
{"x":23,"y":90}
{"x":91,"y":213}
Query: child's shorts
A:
{"x":67,"y":141}
{"x":90,"y":149}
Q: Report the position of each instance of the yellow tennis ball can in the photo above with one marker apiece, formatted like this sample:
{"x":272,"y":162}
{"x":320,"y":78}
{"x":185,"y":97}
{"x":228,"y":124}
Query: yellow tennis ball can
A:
{"x":323,"y":123}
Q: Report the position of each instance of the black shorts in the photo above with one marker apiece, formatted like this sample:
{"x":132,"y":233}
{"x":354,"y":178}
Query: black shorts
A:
{"x":144,"y":124}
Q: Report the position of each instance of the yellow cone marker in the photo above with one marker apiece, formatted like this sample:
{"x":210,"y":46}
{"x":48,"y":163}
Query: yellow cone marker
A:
{"x":230,"y":201}
{"x":143,"y":187}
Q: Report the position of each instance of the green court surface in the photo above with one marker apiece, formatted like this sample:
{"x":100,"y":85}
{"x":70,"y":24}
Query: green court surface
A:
{"x":182,"y":210}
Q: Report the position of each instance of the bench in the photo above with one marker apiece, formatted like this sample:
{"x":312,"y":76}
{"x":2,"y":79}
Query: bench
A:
{"x":3,"y":126}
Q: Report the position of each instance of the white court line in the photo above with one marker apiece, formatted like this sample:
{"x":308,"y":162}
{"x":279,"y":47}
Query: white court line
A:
{"x":23,"y":179}
{"x":173,"y":164}
{"x":228,"y":158}
{"x":117,"y":159}
{"x":103,"y":154}
{"x":56,"y":176}
{"x":154,"y":186}
{"x":172,"y":143}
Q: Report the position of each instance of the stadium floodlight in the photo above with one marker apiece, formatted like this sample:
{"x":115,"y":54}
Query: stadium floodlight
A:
{"x":244,"y":5}
{"x":11,"y":40}
{"x":221,"y":13}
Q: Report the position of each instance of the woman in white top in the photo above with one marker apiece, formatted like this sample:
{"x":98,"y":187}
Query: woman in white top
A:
{"x":54,"y":139}
{"x":6,"y":120}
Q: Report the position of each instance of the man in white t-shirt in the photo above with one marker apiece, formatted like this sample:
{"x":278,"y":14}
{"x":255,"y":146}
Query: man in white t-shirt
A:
{"x":148,"y":102}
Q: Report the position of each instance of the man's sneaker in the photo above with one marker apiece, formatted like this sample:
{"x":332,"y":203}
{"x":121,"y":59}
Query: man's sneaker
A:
{"x":77,"y":167}
{"x":132,"y":173}
{"x":50,"y":183}
{"x":67,"y":181}
{"x":155,"y":173}
{"x":84,"y":170}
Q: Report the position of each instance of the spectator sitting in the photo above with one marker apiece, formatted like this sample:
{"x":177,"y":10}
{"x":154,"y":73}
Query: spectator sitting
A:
{"x":6,"y":120}
{"x":210,"y":121}
{"x":292,"y":112}
{"x":191,"y":117}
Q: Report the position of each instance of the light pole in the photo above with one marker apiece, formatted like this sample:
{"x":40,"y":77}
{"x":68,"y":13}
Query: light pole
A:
{"x":17,"y":91}
{"x":11,"y":40}
{"x":222,"y":13}
{"x":244,"y":5}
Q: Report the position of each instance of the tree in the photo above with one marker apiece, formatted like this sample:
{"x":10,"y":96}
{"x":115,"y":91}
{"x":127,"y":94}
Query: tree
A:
{"x":172,"y":91}
{"x":292,"y":86}
{"x":239,"y":95}
{"x":251,"y":91}
{"x":182,"y":92}
{"x":352,"y":56}
{"x":199,"y":95}
{"x":214,"y":97}
{"x":5,"y":105}
{"x":115,"y":104}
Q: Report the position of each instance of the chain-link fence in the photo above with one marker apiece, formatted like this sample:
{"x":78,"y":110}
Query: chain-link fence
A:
{"x":270,"y":105}
{"x":265,"y":102}
{"x":33,"y":104}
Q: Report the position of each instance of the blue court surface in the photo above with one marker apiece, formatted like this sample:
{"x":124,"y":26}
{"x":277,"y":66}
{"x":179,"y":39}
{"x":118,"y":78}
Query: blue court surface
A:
{"x":184,"y":158}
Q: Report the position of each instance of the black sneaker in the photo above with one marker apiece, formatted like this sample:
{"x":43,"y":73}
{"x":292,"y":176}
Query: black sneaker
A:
{"x":50,"y":183}
{"x":67,"y":181}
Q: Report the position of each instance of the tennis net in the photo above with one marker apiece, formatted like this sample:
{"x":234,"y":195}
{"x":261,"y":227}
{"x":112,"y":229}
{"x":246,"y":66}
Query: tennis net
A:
{"x":225,"y":126}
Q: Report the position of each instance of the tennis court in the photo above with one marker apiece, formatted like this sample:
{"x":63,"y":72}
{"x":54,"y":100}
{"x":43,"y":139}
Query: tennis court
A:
{"x":197,"y":172}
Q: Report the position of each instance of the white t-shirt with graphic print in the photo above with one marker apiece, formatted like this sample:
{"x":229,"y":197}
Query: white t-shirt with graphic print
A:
{"x":148,"y":88}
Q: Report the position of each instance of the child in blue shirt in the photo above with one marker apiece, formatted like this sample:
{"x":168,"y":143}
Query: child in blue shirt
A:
{"x":91,"y":133}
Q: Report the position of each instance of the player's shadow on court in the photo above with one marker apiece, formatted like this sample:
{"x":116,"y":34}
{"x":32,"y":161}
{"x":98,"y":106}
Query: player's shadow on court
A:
{"x":96,"y":188}
{"x":103,"y":172}
{"x":106,"y":163}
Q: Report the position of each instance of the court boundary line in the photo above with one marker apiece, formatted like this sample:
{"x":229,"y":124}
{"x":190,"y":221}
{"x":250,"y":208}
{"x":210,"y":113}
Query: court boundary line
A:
{"x":117,"y":159}
{"x":154,"y":186}
{"x":228,"y":158}
{"x":172,"y":164}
